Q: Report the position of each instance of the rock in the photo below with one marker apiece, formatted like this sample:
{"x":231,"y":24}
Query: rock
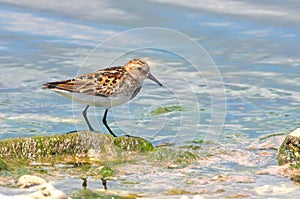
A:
{"x":274,"y":191}
{"x":48,"y":191}
{"x":195,"y":197}
{"x":296,"y":176}
{"x":198,"y":197}
{"x":26,"y":181}
{"x":289,"y":150}
{"x":282,"y":171}
{"x":289,"y":157}
{"x":73,"y":144}
{"x":36,"y":147}
{"x":15,"y":197}
{"x":184,"y":197}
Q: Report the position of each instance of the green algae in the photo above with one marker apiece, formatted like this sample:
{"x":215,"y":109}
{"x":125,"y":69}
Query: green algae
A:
{"x":89,"y":194}
{"x":271,"y":135}
{"x":129,"y":182}
{"x":136,"y":144}
{"x":3,"y":166}
{"x":16,"y":164}
{"x":180,"y":156}
{"x":179,"y":191}
{"x":167,"y":109}
{"x":295,"y":166}
{"x":86,"y":194}
{"x":296,"y":177}
{"x":106,"y":172}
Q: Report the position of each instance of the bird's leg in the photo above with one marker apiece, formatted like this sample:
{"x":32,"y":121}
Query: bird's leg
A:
{"x":105,"y":123}
{"x":86,"y":119}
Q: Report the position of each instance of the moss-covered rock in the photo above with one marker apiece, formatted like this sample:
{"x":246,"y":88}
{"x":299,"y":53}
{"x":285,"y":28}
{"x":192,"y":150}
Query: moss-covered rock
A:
{"x":47,"y":146}
{"x":289,"y":155}
{"x":80,"y":154}
{"x":73,"y":144}
{"x":289,"y":150}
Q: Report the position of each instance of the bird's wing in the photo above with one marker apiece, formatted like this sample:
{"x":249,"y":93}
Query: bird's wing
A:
{"x":99,"y":83}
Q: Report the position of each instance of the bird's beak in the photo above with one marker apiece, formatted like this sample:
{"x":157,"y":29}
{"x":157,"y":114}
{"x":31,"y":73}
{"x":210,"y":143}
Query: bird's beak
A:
{"x":150,"y":76}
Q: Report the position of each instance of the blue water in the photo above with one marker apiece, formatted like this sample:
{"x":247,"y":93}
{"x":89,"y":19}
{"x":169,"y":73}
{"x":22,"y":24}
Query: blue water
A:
{"x":243,"y":78}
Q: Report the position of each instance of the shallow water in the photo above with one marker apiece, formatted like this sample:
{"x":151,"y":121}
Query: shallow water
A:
{"x":242,"y":82}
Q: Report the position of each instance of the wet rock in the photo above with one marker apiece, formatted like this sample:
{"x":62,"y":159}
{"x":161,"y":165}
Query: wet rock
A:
{"x":46,"y":146}
{"x":46,"y":191}
{"x":273,"y":191}
{"x":195,"y":197}
{"x":291,"y":171}
{"x":289,"y":150}
{"x":288,"y":158}
{"x":296,"y":176}
{"x":282,"y":171}
{"x":78,"y":143}
{"x":15,"y":197}
{"x":26,"y":181}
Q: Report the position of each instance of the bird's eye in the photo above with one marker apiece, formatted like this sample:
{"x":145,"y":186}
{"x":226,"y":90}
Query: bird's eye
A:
{"x":139,"y":68}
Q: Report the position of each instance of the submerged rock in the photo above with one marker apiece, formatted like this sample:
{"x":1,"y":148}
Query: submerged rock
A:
{"x":289,"y":150}
{"x":175,"y":156}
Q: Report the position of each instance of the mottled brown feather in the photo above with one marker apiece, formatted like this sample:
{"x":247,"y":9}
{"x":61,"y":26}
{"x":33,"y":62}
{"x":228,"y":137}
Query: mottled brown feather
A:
{"x":107,"y":82}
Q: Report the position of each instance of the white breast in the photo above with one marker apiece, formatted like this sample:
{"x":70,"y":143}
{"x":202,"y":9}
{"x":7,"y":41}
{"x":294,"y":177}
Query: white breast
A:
{"x":92,"y":100}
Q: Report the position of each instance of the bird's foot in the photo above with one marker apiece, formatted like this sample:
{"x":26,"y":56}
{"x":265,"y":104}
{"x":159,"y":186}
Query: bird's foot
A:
{"x":131,"y":136}
{"x":77,"y":131}
{"x":70,"y":132}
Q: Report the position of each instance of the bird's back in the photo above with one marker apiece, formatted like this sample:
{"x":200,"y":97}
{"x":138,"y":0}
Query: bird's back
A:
{"x":109,"y":82}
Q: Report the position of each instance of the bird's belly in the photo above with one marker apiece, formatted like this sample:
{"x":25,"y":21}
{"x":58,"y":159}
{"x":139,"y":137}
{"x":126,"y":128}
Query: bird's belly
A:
{"x":106,"y":102}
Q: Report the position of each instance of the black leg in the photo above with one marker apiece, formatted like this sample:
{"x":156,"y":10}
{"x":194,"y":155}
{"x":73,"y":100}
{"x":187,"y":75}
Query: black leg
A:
{"x":105,"y":123}
{"x":86,"y":119}
{"x":104,"y":183}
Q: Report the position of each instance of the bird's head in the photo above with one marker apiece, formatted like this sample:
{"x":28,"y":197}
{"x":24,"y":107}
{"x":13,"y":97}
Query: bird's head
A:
{"x":140,"y":70}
